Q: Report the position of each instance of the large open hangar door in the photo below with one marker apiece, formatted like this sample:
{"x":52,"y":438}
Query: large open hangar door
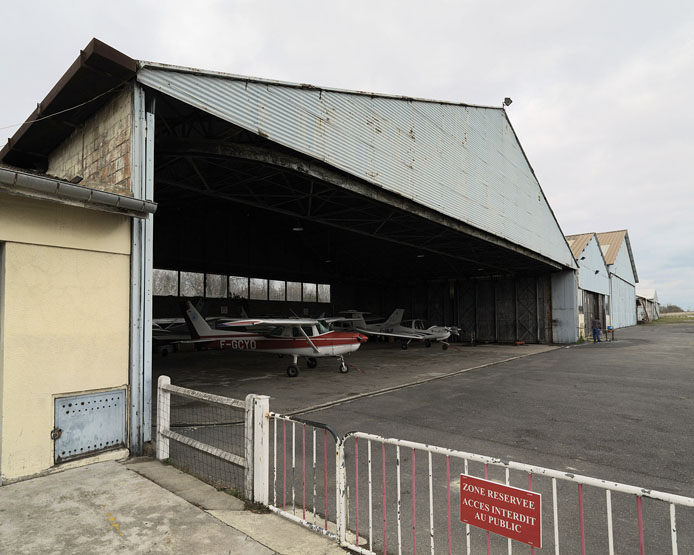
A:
{"x":231,"y":203}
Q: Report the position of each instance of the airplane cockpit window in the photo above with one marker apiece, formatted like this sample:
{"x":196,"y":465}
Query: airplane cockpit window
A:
{"x":322,"y":327}
{"x":277,"y":331}
{"x":420,"y":325}
{"x":308,"y":330}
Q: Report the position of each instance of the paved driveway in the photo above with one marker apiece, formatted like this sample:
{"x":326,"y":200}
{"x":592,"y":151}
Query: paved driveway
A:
{"x":620,"y":411}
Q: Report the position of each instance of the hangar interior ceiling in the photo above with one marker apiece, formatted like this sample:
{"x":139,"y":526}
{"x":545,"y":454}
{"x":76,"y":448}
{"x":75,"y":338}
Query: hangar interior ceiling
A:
{"x":229,"y":199}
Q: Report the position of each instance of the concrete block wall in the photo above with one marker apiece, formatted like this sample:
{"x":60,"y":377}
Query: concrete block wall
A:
{"x":99,"y":151}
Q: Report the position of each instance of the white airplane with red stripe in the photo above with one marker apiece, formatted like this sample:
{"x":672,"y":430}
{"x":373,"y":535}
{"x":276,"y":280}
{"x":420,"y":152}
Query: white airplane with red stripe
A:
{"x":295,"y":337}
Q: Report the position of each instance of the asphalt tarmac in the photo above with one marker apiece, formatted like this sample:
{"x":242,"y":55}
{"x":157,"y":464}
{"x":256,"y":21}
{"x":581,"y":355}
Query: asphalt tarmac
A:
{"x":618,"y":411}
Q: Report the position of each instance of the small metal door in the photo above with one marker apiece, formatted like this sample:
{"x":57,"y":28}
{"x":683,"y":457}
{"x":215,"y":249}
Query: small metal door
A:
{"x":89,"y":423}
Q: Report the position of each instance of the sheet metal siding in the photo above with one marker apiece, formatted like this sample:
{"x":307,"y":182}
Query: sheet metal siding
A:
{"x":564,"y":307}
{"x":622,"y":265}
{"x":588,"y":280}
{"x":462,"y":161}
{"x":622,"y":303}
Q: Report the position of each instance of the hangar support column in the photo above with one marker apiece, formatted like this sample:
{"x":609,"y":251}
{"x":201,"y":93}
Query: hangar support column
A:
{"x":141,"y":275}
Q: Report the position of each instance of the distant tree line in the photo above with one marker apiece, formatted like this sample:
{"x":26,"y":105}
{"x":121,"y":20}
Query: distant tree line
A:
{"x":670,"y":308}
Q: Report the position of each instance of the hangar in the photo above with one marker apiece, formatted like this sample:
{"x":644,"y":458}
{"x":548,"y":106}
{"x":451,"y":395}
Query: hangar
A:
{"x":289,"y":196}
{"x":619,"y":258}
{"x":593,"y":282}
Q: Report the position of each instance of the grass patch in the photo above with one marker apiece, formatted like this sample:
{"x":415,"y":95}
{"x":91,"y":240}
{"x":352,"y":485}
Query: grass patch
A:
{"x":673,"y":318}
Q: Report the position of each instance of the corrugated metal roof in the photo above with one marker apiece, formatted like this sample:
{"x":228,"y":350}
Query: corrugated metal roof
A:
{"x":460,"y":160}
{"x":578,"y":243}
{"x":610,"y":243}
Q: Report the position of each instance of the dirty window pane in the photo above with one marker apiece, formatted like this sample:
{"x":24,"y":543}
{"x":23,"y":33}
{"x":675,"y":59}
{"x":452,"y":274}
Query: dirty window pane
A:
{"x":192,"y":284}
{"x":165,"y":282}
{"x":238,"y":287}
{"x":216,"y":286}
{"x":293,"y":291}
{"x":310,"y":292}
{"x":276,"y":290}
{"x":258,"y":289}
{"x":323,"y":293}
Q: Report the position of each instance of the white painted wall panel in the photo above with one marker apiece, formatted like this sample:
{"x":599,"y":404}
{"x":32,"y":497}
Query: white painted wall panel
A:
{"x":462,"y":161}
{"x":564,"y":307}
{"x":587,"y":278}
{"x":622,"y":265}
{"x":622,"y":303}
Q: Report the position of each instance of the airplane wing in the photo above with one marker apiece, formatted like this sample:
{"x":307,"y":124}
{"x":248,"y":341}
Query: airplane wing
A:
{"x":391,"y":334}
{"x":284,"y":322}
{"x":332,"y":319}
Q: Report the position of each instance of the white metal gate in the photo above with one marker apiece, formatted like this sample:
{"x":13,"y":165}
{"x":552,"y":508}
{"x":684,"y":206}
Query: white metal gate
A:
{"x":389,"y":495}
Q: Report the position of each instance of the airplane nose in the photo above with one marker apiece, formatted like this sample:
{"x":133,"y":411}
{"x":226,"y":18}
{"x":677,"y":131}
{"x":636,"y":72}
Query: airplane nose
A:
{"x":361,"y":338}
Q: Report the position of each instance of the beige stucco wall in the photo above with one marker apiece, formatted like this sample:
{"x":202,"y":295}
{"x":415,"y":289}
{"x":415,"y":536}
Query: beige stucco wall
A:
{"x":64,"y":319}
{"x":99,"y":150}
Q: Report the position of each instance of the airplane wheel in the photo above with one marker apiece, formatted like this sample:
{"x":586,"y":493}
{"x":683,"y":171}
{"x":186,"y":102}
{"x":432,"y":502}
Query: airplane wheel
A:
{"x":403,"y":346}
{"x":444,"y":346}
{"x":344,"y":368}
{"x":292,"y":371}
{"x":427,"y":343}
{"x":311,"y":362}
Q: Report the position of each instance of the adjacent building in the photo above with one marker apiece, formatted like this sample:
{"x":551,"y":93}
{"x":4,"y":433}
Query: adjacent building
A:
{"x":593,"y":282}
{"x":616,"y":248}
{"x":647,"y":305}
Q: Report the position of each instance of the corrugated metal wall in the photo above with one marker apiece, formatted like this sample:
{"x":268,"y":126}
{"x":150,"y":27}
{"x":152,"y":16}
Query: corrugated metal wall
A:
{"x":462,"y":161}
{"x":622,"y":303}
{"x":494,"y":310}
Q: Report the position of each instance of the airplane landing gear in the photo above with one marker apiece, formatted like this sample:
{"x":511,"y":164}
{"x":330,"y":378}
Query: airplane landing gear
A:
{"x":343,"y":366}
{"x":427,"y":343}
{"x":292,"y":371}
{"x":311,"y":362}
{"x":444,"y":346}
{"x":404,"y":345}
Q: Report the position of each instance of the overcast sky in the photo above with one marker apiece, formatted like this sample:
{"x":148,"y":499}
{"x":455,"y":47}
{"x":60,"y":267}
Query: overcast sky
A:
{"x":600,"y":89}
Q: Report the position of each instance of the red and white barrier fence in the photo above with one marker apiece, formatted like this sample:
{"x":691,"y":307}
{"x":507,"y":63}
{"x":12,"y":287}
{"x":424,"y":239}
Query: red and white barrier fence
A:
{"x":394,"y":496}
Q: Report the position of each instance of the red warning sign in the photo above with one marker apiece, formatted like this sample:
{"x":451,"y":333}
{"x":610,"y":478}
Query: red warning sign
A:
{"x":510,"y":512}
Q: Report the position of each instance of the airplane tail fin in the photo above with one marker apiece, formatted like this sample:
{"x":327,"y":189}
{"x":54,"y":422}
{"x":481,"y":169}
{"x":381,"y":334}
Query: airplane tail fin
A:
{"x":395,"y":318}
{"x":358,"y":320}
{"x":195,"y":322}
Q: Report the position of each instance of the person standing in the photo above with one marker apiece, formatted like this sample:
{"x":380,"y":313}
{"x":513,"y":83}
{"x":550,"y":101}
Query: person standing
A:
{"x":596,"y":330}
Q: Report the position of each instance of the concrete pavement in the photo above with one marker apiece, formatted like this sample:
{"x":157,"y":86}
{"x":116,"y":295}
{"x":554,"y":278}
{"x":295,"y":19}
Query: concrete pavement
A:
{"x":140,"y":506}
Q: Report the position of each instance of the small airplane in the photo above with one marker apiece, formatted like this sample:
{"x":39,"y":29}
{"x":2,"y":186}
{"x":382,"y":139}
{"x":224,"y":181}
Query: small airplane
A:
{"x":408,"y":331}
{"x":296,"y":337}
{"x":166,"y":332}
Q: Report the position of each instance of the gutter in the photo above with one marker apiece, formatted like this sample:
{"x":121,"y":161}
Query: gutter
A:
{"x":53,"y":189}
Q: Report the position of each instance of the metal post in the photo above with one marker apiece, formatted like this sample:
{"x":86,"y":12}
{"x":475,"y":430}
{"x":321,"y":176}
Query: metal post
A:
{"x":261,"y":448}
{"x":163,"y":417}
{"x":341,"y":498}
{"x":248,"y":446}
{"x":142,"y":179}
